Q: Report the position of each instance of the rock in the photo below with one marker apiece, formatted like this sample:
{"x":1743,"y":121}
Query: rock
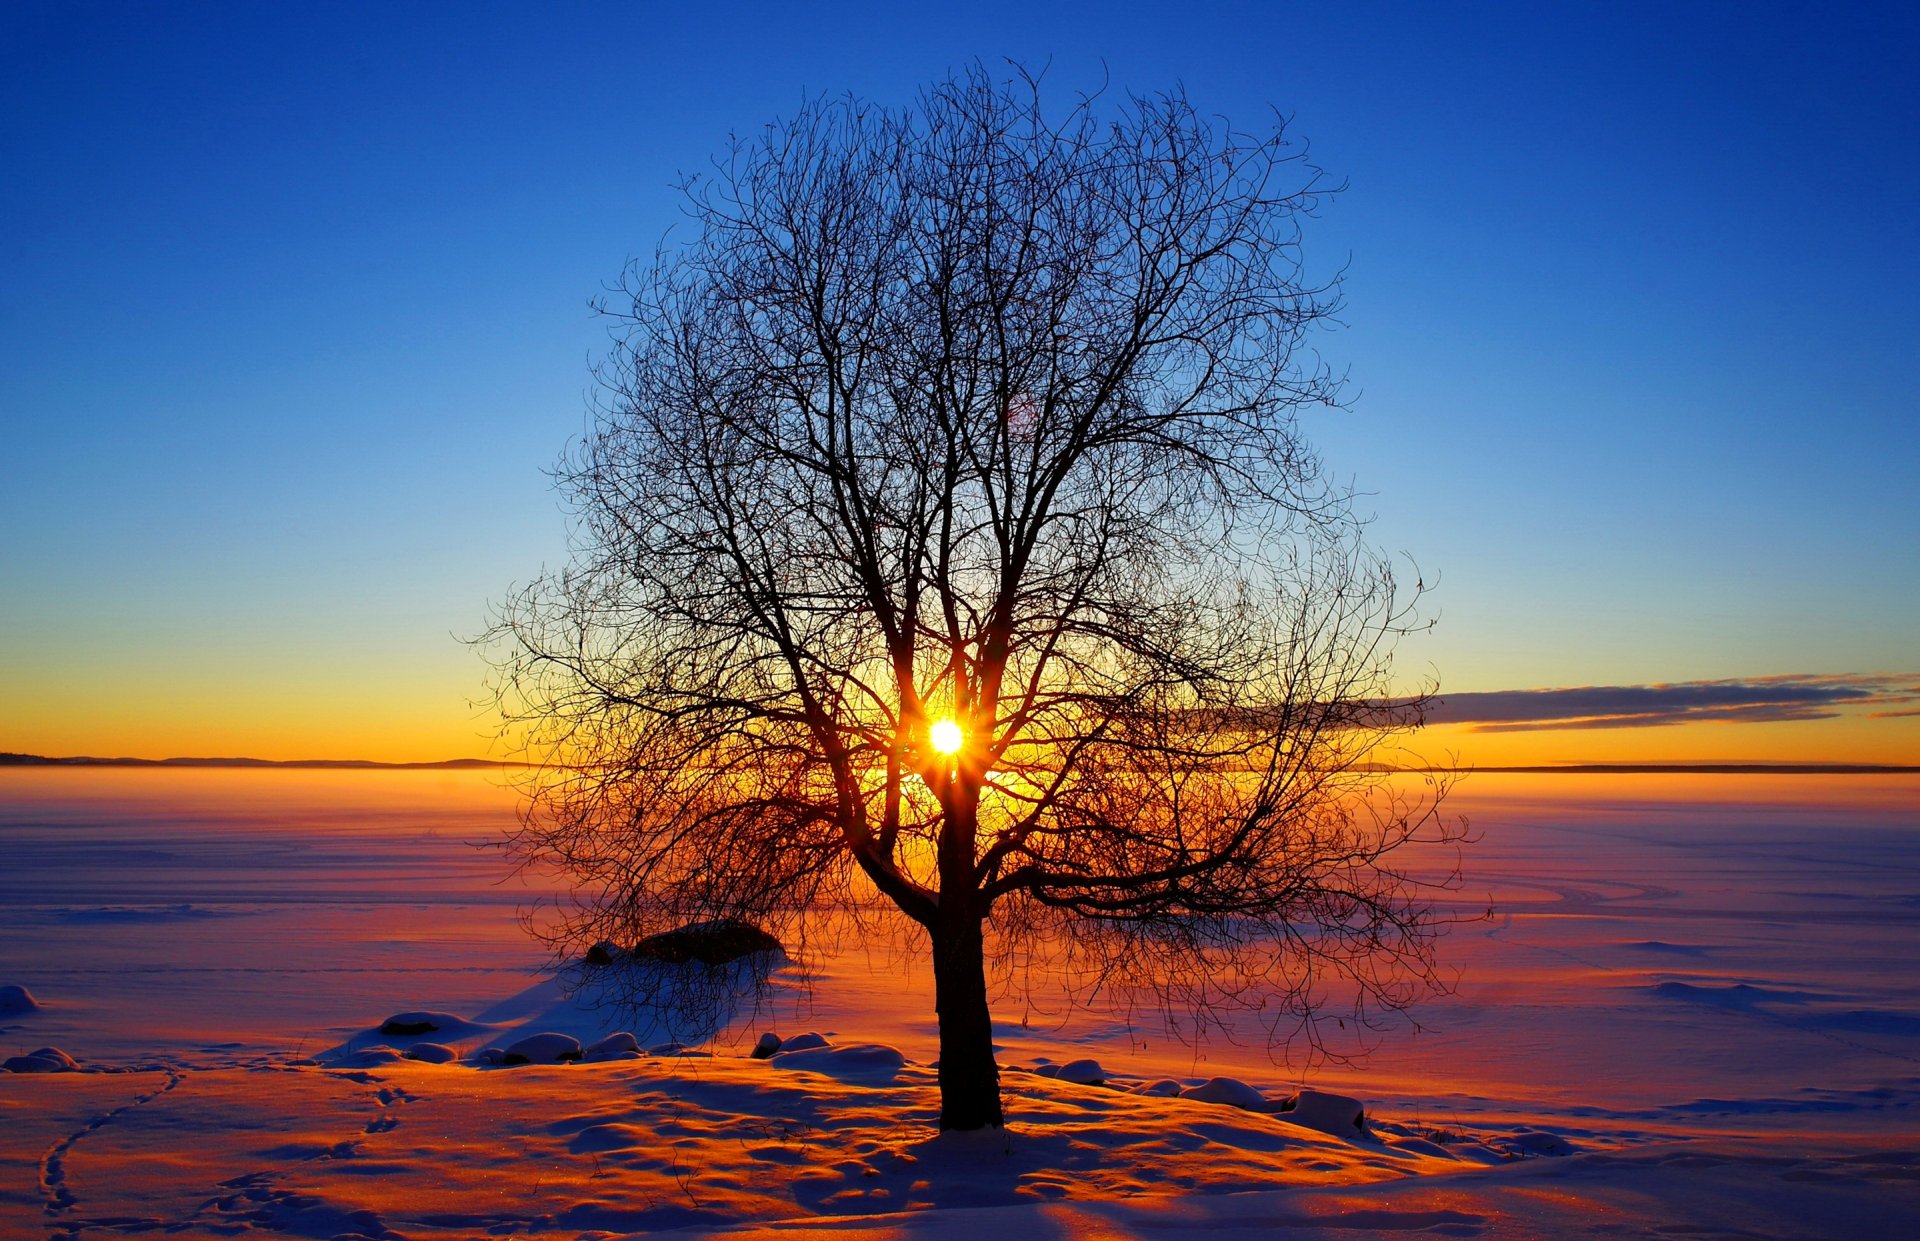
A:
{"x":432,"y":1053}
{"x":1082,"y":1072}
{"x":714,"y":943}
{"x":620,"y":1046}
{"x":548,"y":1048}
{"x":1338,"y":1114}
{"x":409,"y":1025}
{"x":1228,"y":1090}
{"x":46,"y":1060}
{"x":803,"y":1042}
{"x":1046,"y":1070}
{"x":606,"y":952}
{"x":16,"y":1000}
{"x":768,"y":1044}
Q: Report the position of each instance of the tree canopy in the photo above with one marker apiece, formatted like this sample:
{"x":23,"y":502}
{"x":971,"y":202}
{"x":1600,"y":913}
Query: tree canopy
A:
{"x":946,"y":537}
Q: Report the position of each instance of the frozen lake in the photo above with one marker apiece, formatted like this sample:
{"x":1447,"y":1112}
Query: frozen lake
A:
{"x":1654,"y":939}
{"x":1692,"y":1005}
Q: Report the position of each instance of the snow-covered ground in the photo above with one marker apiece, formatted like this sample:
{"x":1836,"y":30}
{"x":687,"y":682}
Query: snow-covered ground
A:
{"x":1695,"y":1010}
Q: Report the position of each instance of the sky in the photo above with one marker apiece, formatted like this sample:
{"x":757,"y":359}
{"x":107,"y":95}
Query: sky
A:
{"x":294,"y":316}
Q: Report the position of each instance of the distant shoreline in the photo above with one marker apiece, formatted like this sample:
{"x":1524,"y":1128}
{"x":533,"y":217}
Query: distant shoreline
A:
{"x":1698,"y":769}
{"x":352,"y":764}
{"x":464,"y":764}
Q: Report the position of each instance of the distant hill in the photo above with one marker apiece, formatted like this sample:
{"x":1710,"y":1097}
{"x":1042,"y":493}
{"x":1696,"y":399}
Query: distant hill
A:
{"x":357,"y":764}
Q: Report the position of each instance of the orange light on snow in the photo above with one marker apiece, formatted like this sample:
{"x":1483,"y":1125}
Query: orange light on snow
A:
{"x":946,"y":737}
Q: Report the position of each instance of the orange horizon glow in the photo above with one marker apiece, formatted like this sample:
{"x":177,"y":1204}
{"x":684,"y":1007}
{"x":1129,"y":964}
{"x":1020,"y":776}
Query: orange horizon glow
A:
{"x":411,"y":739}
{"x":421,"y":723}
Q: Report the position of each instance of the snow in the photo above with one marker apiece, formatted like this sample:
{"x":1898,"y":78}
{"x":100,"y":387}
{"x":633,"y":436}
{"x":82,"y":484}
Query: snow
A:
{"x":1693,"y":1013}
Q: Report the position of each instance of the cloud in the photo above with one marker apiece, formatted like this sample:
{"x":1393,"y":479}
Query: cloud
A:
{"x":1753,"y":700}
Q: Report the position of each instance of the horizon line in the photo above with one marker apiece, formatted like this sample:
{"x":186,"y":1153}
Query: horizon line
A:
{"x":1628,"y":767}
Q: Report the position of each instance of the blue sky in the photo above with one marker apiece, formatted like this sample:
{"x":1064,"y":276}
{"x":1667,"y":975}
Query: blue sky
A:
{"x":295,"y":314}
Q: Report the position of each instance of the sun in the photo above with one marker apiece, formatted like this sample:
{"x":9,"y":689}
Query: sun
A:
{"x":946,"y":737}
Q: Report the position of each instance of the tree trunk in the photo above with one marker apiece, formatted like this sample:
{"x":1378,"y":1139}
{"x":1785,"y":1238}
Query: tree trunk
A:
{"x":969,"y":1078}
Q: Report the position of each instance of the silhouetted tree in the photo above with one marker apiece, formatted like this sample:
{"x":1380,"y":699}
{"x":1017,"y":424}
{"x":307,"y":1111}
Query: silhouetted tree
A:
{"x":962,"y":413}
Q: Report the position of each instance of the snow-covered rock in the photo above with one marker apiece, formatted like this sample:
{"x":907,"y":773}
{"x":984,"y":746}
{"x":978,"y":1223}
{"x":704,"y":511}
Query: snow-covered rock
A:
{"x":16,"y":1000}
{"x":489,"y":1055}
{"x":765,"y":1047}
{"x":432,"y":1053}
{"x":413,"y":1025}
{"x":1082,"y":1072}
{"x":1228,"y":1090}
{"x":870,"y":1063}
{"x":670,"y":1049}
{"x":1338,"y":1114}
{"x":804,"y":1042}
{"x":1165,"y":1088}
{"x":606,"y":952}
{"x":714,"y":943}
{"x":1537,"y":1142}
{"x":45,"y":1060}
{"x":389,"y":1040}
{"x":545,"y":1048}
{"x":620,"y":1045}
{"x":1046,"y":1070}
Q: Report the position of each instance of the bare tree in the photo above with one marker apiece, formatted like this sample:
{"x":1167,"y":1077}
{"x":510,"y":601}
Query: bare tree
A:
{"x":945,"y":537}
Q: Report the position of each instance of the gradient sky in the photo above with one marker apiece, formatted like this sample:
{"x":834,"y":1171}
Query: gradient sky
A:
{"x":293,"y":316}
